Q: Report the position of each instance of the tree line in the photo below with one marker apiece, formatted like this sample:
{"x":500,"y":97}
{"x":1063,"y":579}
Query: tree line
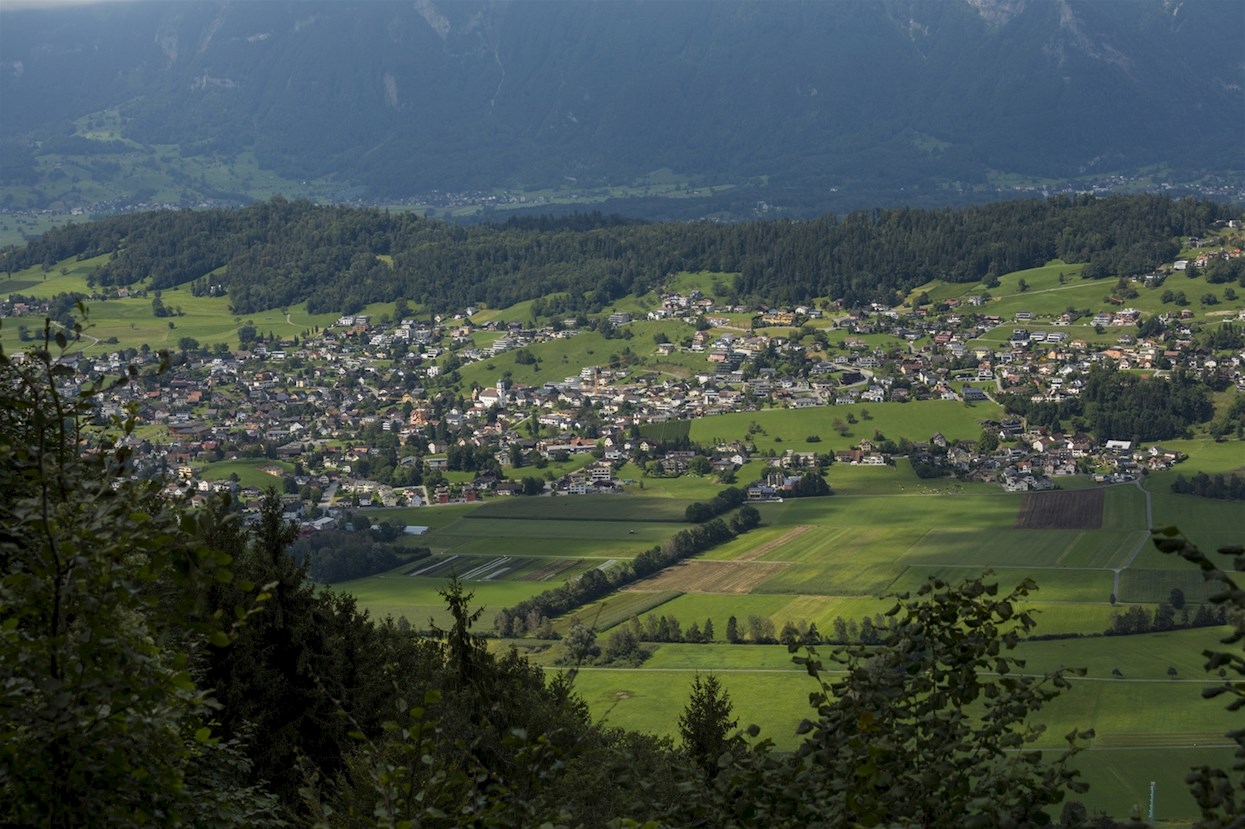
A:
{"x":280,"y":253}
{"x":1229,"y":488}
{"x":533,"y":615}
{"x":332,"y":556}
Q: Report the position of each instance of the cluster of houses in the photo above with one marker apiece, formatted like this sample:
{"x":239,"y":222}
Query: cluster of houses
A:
{"x":364,"y":395}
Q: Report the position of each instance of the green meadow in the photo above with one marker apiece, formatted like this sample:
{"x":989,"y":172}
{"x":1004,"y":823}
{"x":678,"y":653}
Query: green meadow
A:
{"x":574,"y":539}
{"x":396,"y":595}
{"x":1148,"y":725}
{"x":1046,"y":297}
{"x":604,"y":508}
{"x":789,"y":429}
{"x":248,"y":470}
{"x":114,"y":324}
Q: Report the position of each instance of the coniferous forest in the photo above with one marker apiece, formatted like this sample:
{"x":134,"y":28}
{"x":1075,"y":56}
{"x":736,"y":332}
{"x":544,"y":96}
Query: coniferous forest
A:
{"x":278,"y":253}
{"x":169,"y":667}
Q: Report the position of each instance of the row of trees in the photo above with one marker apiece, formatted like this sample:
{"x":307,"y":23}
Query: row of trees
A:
{"x":1137,"y":620}
{"x":533,"y":615}
{"x":1224,"y":488}
{"x":279,"y":253}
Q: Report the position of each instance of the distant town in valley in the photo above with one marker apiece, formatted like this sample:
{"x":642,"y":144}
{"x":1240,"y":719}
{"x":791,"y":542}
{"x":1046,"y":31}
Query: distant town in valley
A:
{"x":370,"y":411}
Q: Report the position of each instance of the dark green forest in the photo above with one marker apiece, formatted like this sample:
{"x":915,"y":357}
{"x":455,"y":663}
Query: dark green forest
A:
{"x":1116,"y":405}
{"x":280,"y":253}
{"x":173,"y":667}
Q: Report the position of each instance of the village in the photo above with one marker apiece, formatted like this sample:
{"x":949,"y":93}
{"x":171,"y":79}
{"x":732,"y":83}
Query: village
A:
{"x":372,"y":412}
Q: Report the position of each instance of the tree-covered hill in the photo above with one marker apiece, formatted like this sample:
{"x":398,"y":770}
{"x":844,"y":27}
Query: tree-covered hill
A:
{"x":278,"y":253}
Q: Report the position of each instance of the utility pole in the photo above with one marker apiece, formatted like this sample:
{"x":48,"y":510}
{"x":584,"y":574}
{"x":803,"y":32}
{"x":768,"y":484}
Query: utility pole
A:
{"x":1151,"y":802}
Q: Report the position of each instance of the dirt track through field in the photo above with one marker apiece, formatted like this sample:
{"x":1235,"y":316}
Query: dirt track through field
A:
{"x":770,"y":546}
{"x":1062,"y":510}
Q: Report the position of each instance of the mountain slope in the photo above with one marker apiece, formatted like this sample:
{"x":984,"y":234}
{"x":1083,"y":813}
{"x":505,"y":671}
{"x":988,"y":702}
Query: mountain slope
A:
{"x":395,"y":99}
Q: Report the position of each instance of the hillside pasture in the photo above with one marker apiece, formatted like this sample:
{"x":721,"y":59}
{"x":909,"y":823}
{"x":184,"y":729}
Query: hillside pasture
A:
{"x":1149,"y":727}
{"x":1207,"y":522}
{"x":488,"y":568}
{"x":669,"y":431}
{"x":133,"y":323}
{"x":987,"y":509}
{"x":1124,"y":508}
{"x":838,"y":546}
{"x":1101,"y":548}
{"x":1118,"y":772}
{"x":433,"y":516}
{"x":687,"y":487}
{"x":754,"y":544}
{"x":697,"y":607}
{"x":1001,"y":548}
{"x":1053,"y":584}
{"x":833,"y":579}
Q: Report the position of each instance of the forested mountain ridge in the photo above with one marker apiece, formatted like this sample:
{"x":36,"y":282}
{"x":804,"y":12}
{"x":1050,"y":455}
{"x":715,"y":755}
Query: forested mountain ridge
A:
{"x":279,"y":253}
{"x":914,"y":101}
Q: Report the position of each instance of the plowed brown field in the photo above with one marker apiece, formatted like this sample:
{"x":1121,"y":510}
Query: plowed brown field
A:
{"x":1071,"y":510}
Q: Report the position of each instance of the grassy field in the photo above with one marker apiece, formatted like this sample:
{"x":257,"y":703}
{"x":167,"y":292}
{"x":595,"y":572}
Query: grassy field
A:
{"x":248,"y":471}
{"x":603,"y":540}
{"x":1046,"y":297}
{"x":396,"y":595}
{"x":1149,"y":726}
{"x":603,"y":508}
{"x":783,"y":429}
{"x":132,"y":323}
